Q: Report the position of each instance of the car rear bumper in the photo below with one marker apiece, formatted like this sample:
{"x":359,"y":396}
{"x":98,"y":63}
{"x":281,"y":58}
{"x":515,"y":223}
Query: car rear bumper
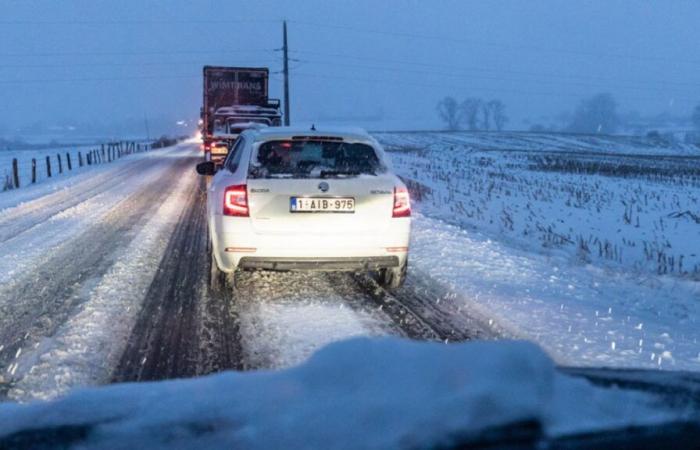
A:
{"x":237,"y":244}
{"x":322,"y":264}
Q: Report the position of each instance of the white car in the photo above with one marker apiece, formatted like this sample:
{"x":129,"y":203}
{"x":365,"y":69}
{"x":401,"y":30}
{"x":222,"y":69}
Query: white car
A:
{"x":289,"y":198}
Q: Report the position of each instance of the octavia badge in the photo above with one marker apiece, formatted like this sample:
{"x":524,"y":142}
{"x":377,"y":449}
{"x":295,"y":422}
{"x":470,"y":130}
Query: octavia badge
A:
{"x":323,"y":186}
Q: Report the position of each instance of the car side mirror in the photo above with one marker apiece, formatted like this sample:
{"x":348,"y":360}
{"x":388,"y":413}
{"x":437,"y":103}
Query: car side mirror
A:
{"x":206,"y":168}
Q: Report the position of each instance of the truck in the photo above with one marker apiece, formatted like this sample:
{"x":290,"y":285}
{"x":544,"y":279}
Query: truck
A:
{"x":234,"y":99}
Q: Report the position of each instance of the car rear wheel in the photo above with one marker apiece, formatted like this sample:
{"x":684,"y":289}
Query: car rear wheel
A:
{"x":393,"y":277}
{"x":219,"y":280}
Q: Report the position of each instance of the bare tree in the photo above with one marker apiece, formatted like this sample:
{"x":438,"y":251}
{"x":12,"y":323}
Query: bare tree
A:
{"x":448,"y":110}
{"x":470,"y":111}
{"x":486,"y":116}
{"x":498,"y":113}
{"x":696,"y":117}
{"x":597,"y":114}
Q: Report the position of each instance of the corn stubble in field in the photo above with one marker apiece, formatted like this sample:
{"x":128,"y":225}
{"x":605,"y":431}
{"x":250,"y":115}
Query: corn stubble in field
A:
{"x":636,"y":209}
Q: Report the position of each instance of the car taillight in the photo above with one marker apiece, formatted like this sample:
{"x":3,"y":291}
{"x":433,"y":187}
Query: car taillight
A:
{"x":402,"y":203}
{"x":236,"y":201}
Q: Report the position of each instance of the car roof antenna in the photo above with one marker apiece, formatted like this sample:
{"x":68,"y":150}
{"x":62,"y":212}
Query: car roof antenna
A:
{"x":313,"y":127}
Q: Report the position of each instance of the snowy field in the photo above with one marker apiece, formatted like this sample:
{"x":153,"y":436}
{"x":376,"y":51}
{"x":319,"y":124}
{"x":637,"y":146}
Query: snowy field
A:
{"x":40,"y":152}
{"x":24,"y":162}
{"x":538,"y":142}
{"x":600,"y":269}
{"x":638,"y":213}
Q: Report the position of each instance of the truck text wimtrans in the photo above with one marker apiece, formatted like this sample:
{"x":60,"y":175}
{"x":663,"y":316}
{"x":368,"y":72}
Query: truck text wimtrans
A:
{"x":235,"y":99}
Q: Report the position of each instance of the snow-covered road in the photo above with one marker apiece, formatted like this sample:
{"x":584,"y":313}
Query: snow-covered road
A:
{"x":77,"y":262}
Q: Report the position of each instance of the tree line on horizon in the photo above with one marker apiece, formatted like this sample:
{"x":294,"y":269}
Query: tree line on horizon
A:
{"x":594,"y":115}
{"x":473,"y":112}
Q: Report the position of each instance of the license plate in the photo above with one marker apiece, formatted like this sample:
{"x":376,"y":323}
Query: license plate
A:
{"x":322,"y":204}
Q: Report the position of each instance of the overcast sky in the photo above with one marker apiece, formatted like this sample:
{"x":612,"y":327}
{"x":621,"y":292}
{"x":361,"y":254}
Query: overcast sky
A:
{"x":82,"y":61}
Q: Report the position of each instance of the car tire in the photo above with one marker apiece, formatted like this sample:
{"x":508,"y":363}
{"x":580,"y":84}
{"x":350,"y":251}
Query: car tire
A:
{"x":217,"y":278}
{"x":393,"y":277}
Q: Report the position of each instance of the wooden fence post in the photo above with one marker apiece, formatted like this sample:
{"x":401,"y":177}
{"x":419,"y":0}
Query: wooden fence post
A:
{"x":15,"y":172}
{"x":60,"y":164}
{"x":80,"y":159}
{"x":70,"y":165}
{"x":33,"y":170}
{"x":48,"y":166}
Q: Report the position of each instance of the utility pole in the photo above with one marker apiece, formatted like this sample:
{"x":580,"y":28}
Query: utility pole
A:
{"x":286,"y":73}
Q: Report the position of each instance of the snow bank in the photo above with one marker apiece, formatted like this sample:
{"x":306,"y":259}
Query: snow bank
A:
{"x":360,"y":393}
{"x":580,"y":314}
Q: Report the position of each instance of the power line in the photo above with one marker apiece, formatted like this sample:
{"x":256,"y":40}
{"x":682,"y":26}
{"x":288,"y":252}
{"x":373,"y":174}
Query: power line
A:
{"x":123,"y":64}
{"x":138,"y":22}
{"x":433,"y":65}
{"x":502,"y":45}
{"x":140,"y":53}
{"x":483,"y":77}
{"x":501,"y":91}
{"x":98,"y":79}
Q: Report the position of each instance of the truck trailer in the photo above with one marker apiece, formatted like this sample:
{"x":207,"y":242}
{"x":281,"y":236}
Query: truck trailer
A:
{"x":234,"y":99}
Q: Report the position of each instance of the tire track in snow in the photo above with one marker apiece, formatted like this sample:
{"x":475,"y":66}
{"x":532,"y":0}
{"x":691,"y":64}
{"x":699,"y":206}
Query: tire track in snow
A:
{"x":286,"y":316}
{"x":183,"y":330}
{"x":424,"y":305}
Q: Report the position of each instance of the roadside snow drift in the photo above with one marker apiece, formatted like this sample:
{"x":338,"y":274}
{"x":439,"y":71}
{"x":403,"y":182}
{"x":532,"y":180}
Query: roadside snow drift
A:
{"x":361,"y":393}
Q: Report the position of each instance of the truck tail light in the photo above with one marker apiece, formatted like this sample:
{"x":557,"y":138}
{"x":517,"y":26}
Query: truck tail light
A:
{"x":402,"y":203}
{"x":236,"y":201}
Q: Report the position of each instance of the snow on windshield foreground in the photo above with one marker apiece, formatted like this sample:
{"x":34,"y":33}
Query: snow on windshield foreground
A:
{"x":358,"y":394}
{"x":596,"y":258}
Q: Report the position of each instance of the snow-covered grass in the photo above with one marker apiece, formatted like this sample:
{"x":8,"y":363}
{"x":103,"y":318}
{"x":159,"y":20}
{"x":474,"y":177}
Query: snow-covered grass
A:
{"x":24,"y":162}
{"x":357,"y":394}
{"x":40,"y":153}
{"x":594,"y":256}
{"x":547,"y":142}
{"x":581,"y":314}
{"x":640,"y":213}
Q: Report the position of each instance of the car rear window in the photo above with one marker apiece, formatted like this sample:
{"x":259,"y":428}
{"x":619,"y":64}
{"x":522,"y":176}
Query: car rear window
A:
{"x":314,"y":159}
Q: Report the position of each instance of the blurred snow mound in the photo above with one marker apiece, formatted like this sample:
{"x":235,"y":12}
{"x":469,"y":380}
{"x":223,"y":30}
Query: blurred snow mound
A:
{"x":361,"y":393}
